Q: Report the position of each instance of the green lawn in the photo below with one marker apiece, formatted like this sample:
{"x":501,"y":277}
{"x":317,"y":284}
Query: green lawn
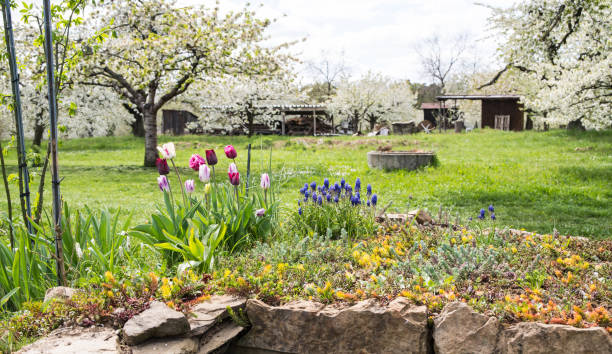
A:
{"x":536,"y":180}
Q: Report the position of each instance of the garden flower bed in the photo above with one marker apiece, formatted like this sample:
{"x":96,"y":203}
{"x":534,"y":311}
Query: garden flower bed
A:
{"x":335,"y":247}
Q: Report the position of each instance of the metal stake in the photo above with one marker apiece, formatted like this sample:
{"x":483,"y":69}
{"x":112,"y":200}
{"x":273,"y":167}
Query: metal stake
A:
{"x":24,"y":181}
{"x":55,"y":181}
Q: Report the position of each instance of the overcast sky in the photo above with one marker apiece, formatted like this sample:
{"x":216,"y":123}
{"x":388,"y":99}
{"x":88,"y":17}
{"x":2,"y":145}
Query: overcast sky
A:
{"x":377,"y":35}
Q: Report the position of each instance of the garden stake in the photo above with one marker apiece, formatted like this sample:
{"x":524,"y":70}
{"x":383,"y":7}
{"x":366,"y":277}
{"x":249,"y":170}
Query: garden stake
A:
{"x":8,"y":198}
{"x":248,"y":169}
{"x":55,"y":181}
{"x":24,"y":176}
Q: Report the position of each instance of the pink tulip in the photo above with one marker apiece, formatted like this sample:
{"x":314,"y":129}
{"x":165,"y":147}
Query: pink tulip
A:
{"x":230,"y":152}
{"x":260,"y":212}
{"x":167,"y":150}
{"x":189,"y":186}
{"x":204,"y":173}
{"x":265,"y":181}
{"x":195,"y":161}
{"x":163,"y":184}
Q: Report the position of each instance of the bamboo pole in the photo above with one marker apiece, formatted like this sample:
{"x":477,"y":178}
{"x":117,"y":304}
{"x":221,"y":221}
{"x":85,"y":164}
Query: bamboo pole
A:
{"x":24,"y":176}
{"x":55,"y":181}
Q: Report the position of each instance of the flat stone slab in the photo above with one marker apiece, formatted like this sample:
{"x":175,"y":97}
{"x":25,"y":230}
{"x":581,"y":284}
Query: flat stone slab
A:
{"x":308,"y":327}
{"x":205,"y":314}
{"x":221,"y":337}
{"x":76,"y":340}
{"x":155,"y":322}
{"x":188,"y":345}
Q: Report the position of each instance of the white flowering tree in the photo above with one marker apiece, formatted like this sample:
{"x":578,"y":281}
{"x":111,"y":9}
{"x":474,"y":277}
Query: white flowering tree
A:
{"x":372,"y":98}
{"x":565,"y":47}
{"x":158,"y":50}
{"x":239,"y":103}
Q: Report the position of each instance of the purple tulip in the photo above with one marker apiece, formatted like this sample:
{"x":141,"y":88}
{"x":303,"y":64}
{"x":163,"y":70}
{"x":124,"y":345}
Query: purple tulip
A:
{"x":211,"y":157}
{"x":162,"y":166}
{"x":189,"y":186}
{"x":230,"y":152}
{"x":163,"y":184}
{"x":260,"y":212}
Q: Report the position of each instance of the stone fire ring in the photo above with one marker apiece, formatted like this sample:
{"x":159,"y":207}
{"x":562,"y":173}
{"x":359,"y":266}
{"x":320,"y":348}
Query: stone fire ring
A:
{"x":399,"y":160}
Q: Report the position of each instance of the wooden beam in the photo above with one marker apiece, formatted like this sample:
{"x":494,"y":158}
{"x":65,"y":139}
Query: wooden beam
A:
{"x":314,"y":121}
{"x":283,"y":124}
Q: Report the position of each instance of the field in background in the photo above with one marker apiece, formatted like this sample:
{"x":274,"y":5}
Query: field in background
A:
{"x":536,"y":180}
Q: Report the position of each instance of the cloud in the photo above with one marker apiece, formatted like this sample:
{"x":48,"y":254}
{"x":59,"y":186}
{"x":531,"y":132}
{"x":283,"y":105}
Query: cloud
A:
{"x":377,"y":35}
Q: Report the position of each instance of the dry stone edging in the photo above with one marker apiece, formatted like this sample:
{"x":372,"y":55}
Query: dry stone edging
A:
{"x":76,"y":340}
{"x":311,"y":327}
{"x":308,"y":327}
{"x":155,"y":322}
{"x":460,"y":330}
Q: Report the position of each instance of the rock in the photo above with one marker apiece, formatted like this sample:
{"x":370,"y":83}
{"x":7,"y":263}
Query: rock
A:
{"x":59,"y":293}
{"x":459,"y":329}
{"x":157,"y":321}
{"x":76,"y":340}
{"x":308,"y":327}
{"x":205,"y":314}
{"x":399,"y":160}
{"x":422,"y":217}
{"x":540,"y":338}
{"x":219,"y":338}
{"x":188,"y":345}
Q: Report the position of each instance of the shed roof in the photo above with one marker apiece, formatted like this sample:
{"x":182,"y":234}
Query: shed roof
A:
{"x":436,"y":105}
{"x":479,"y":97}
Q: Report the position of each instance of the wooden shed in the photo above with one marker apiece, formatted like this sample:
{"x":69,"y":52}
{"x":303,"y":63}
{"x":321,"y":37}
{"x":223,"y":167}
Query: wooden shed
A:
{"x":431,"y":110}
{"x":175,"y":121}
{"x":503,"y":112}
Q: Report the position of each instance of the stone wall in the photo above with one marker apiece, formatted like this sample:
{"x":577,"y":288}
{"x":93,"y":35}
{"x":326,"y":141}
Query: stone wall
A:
{"x":310,"y":327}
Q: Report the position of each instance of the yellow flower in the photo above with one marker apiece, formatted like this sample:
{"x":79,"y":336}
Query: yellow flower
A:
{"x":166,"y":291}
{"x":266,"y":269}
{"x":109,"y":293}
{"x":300,"y":267}
{"x":109,"y":277}
{"x":207,"y":188}
{"x":514,"y":250}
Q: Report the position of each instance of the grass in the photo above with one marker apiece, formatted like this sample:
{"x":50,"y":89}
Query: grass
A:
{"x":539,"y":181}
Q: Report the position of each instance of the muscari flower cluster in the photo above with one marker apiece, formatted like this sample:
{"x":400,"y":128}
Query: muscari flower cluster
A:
{"x":328,"y":193}
{"x":482,"y":213}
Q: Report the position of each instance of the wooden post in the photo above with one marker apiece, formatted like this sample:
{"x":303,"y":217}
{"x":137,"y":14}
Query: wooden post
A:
{"x":314,"y":122}
{"x":332,"y":122}
{"x":283,"y":123}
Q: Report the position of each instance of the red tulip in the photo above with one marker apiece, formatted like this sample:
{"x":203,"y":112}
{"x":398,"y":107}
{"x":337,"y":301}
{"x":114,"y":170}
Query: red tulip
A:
{"x":162,"y":166}
{"x":211,"y":157}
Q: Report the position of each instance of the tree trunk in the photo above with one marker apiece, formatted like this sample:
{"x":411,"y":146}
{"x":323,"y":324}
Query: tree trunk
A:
{"x":138,"y":123}
{"x":150,"y":130}
{"x":39,"y":130}
{"x":372,"y":122}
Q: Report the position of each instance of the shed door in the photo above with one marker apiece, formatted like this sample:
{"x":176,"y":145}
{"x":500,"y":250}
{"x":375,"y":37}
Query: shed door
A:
{"x":502,"y":122}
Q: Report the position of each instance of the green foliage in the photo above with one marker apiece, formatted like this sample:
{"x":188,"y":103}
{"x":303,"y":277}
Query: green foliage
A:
{"x":333,"y":218}
{"x":462,"y":262}
{"x":240,"y":318}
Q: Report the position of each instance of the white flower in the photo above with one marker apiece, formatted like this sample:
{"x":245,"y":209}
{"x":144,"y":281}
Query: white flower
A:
{"x":78,"y":250}
{"x":204,"y":173}
{"x":167,"y":151}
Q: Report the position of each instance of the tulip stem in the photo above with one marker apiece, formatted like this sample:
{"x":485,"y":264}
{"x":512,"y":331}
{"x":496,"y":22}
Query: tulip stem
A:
{"x":237,"y":198}
{"x":180,"y":182}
